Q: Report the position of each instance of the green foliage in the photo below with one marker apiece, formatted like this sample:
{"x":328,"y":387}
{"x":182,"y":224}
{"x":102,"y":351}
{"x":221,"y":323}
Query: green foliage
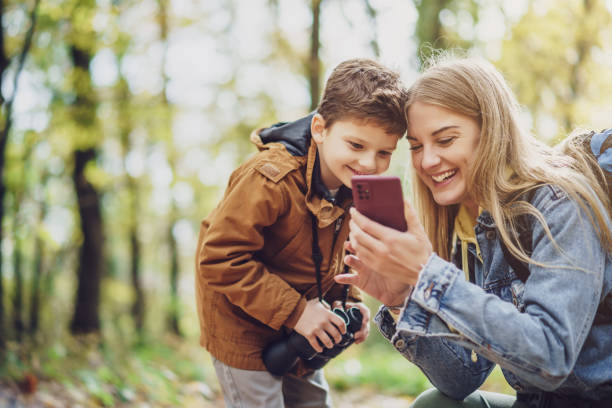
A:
{"x":555,"y":44}
{"x":105,"y":372}
{"x":377,"y":366}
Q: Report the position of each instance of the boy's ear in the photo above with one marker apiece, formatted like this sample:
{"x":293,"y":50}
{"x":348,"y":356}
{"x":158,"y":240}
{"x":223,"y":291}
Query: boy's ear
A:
{"x":317,"y":128}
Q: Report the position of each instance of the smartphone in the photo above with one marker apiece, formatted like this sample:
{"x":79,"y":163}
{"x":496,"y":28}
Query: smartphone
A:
{"x":380,"y":198}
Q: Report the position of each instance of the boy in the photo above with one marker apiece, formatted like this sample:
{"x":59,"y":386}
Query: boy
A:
{"x":256,"y":275}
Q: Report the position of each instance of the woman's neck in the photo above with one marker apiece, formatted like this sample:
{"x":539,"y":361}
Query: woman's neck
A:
{"x":472,"y":208}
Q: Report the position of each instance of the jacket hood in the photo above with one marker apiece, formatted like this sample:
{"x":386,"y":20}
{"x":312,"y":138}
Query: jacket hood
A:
{"x":295,"y":136}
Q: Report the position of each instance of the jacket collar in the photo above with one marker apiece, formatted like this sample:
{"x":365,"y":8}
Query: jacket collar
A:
{"x":296,"y":139}
{"x":486,"y":219}
{"x":318,"y":197}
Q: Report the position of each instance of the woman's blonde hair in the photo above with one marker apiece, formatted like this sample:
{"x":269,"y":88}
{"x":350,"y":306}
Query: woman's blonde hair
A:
{"x":473,"y":87}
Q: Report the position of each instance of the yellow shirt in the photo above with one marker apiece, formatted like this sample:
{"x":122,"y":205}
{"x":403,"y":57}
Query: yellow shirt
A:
{"x":464,"y":231}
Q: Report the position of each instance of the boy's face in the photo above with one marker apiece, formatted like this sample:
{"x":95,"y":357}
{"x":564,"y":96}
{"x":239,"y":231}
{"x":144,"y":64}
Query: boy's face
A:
{"x":350,"y":147}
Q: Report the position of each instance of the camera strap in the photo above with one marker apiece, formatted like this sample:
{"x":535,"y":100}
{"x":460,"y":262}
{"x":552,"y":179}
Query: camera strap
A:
{"x":317,"y":257}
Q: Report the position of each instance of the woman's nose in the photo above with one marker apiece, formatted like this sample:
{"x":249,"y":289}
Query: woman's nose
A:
{"x":430,"y":158}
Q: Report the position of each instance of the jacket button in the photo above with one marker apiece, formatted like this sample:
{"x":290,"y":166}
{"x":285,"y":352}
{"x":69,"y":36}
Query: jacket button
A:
{"x":427,"y":293}
{"x":400,"y":343}
{"x":490,"y":235}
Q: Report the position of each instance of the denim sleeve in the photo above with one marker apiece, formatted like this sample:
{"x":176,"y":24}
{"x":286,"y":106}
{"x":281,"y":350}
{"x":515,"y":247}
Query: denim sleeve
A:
{"x":539,"y":345}
{"x":446,"y":364}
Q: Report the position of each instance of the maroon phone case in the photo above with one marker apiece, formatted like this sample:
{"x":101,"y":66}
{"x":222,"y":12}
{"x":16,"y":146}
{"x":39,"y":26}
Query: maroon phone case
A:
{"x":380,"y":198}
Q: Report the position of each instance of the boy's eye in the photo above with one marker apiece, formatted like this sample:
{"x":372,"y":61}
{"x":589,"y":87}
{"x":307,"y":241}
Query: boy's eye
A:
{"x":355,"y":145}
{"x":384,"y":153}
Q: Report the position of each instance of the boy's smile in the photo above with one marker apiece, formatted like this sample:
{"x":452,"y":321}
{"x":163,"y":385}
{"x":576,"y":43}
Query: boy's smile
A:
{"x":350,"y":147}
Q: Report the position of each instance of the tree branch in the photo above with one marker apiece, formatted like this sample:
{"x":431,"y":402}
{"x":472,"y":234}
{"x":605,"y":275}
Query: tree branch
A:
{"x":20,"y":63}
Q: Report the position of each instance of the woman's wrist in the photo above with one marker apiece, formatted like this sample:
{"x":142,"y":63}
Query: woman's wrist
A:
{"x":397,"y":304}
{"x":396,"y":309}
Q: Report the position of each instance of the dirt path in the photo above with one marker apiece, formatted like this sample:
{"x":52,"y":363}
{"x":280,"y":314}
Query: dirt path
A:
{"x":54,"y":395}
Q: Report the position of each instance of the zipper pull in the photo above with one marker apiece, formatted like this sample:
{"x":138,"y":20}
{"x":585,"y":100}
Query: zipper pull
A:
{"x":474,"y":357}
{"x":338,"y":224}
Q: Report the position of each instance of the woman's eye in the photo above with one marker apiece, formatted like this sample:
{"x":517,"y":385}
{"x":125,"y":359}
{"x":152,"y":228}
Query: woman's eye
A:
{"x":415,"y":148}
{"x":446,"y":140}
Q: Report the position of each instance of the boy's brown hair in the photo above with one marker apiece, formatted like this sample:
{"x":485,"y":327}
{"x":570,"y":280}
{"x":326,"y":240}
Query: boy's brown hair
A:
{"x":367,"y":91}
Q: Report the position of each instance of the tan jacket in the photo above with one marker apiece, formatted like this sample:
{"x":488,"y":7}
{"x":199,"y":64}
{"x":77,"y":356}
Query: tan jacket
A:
{"x":254,"y":267}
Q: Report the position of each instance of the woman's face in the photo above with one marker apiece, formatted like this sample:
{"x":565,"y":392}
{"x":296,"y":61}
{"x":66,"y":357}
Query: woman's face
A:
{"x":443,"y":145}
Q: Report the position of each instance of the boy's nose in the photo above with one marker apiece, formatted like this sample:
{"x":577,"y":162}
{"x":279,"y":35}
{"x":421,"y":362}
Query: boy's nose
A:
{"x":367,"y":162}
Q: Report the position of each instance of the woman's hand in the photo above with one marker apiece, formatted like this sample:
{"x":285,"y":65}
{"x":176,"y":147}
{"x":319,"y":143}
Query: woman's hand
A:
{"x":387,"y":261}
{"x":386,"y":289}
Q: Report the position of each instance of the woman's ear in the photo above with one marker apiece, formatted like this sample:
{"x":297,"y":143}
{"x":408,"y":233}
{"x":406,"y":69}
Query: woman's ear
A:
{"x":317,"y":128}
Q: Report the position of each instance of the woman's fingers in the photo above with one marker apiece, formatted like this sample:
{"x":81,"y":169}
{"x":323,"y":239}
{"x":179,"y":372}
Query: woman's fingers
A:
{"x":349,"y":248}
{"x":364,"y":245}
{"x":357,"y":266}
{"x":348,"y":278}
{"x":412,"y":219}
{"x":369,"y":226}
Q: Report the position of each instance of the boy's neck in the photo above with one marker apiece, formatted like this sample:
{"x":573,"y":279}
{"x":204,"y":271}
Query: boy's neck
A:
{"x":318,"y":185}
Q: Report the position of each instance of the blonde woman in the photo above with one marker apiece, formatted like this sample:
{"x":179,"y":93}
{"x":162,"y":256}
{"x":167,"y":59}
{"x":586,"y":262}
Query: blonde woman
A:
{"x":455,"y":306}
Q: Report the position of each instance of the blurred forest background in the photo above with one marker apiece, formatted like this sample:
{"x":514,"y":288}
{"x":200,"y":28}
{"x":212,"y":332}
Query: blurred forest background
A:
{"x":121,"y":121}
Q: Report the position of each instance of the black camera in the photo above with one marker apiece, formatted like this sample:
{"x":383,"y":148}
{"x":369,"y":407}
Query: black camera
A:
{"x":279,"y":357}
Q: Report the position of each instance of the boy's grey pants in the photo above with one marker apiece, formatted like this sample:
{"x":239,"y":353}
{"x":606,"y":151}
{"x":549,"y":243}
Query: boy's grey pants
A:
{"x":251,"y":389}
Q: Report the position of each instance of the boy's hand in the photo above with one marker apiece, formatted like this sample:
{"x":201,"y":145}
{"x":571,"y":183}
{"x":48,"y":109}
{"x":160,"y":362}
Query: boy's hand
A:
{"x":319,"y":325}
{"x":363,"y":333}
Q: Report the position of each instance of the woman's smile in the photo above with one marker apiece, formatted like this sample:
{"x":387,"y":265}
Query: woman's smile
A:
{"x":444,"y":177}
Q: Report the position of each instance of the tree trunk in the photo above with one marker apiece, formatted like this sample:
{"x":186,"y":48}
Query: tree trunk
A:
{"x":86,"y":317}
{"x":125,"y":125}
{"x":372,"y":13}
{"x":138,"y":306}
{"x":17,"y":278}
{"x":173,"y":317}
{"x":428,"y":28}
{"x":314,"y":64}
{"x":6,"y":119}
{"x":36,"y":280}
{"x":584,"y":44}
{"x":4,"y":62}
{"x":39,"y":256}
{"x":174,"y":310}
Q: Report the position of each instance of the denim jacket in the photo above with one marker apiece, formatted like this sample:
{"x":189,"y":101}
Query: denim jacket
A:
{"x":548,"y":334}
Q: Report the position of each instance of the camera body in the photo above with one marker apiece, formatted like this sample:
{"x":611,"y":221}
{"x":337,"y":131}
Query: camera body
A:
{"x":279,"y":357}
